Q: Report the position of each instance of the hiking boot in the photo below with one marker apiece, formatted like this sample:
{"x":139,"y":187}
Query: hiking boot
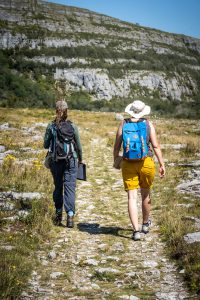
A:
{"x":146,"y":227}
{"x":136,"y":236}
{"x":70,"y":221}
{"x":58,"y":218}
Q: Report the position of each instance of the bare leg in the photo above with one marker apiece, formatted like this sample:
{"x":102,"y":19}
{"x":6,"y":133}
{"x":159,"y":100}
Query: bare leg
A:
{"x":132,"y":208}
{"x":146,"y":204}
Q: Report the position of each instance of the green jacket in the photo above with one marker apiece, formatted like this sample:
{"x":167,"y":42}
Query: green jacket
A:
{"x":48,"y":140}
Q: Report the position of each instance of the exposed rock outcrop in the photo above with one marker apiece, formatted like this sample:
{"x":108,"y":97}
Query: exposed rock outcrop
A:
{"x":97,"y":81}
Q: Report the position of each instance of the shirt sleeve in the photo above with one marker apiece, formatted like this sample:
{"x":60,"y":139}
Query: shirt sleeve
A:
{"x":77,"y":141}
{"x":48,"y":136}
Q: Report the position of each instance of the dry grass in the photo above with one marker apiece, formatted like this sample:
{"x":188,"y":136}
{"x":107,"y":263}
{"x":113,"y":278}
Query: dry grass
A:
{"x":173,"y":217}
{"x":27,"y":234}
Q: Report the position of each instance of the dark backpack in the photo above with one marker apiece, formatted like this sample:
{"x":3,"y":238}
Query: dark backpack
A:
{"x":64,"y":143}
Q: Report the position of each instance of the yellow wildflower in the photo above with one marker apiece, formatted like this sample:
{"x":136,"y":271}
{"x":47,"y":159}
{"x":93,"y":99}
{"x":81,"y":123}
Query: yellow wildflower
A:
{"x":9,"y":159}
{"x":37,"y":164}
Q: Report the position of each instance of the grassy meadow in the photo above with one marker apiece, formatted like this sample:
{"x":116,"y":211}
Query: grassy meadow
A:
{"x":22,"y":170}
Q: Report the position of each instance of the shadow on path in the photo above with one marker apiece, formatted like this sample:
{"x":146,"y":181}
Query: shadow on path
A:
{"x":95,"y":228}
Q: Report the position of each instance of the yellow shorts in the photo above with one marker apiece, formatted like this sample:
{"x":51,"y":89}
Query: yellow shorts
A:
{"x":138,"y":174}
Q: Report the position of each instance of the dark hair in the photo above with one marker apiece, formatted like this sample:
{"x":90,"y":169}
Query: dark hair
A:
{"x":61,"y":115}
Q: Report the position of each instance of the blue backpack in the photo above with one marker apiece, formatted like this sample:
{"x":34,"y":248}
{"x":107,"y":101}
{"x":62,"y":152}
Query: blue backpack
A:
{"x":135,"y":136}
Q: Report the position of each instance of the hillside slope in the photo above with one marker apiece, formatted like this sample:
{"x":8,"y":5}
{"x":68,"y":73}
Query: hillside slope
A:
{"x":96,"y":56}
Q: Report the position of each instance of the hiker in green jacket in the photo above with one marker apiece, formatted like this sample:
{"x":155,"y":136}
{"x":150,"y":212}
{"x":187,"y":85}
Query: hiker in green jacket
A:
{"x":63,"y":141}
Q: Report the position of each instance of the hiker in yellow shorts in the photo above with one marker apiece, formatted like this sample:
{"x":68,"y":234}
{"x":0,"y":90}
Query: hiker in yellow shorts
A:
{"x":138,"y":169}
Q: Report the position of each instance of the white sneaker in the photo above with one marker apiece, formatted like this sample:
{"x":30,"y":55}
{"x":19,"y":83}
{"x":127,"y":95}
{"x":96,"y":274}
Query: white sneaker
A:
{"x":136,"y":236}
{"x":146,"y":227}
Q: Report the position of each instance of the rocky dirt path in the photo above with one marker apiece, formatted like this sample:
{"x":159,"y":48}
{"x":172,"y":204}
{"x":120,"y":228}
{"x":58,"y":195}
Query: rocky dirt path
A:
{"x":97,"y":259}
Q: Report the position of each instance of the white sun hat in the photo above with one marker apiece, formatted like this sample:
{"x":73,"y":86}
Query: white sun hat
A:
{"x":137,"y":109}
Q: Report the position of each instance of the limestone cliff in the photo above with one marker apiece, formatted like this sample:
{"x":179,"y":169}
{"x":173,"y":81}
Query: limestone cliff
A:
{"x":103,"y":56}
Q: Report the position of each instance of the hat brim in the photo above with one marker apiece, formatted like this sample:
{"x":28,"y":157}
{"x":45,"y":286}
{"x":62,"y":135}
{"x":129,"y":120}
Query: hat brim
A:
{"x":146,"y":111}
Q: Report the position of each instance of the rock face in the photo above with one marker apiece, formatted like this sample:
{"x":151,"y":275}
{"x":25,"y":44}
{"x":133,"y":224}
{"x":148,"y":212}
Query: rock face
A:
{"x":97,"y":81}
{"x":101,"y":55}
{"x":94,"y":80}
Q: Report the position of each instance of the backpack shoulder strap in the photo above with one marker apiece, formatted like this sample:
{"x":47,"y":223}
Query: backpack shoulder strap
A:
{"x":54,"y":134}
{"x":68,"y":121}
{"x":53,"y":126}
{"x":127,"y":120}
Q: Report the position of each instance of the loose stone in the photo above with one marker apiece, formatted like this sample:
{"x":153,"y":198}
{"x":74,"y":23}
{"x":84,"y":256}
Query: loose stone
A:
{"x":56,"y":275}
{"x":192,"y":237}
{"x":52,"y":255}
